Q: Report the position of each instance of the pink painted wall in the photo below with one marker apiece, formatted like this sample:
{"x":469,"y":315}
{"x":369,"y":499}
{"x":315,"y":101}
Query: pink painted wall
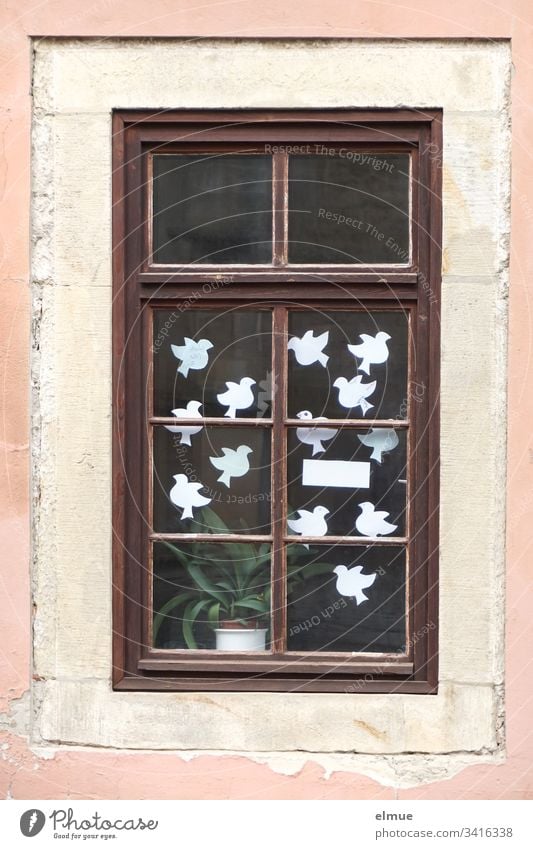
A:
{"x":82,"y":774}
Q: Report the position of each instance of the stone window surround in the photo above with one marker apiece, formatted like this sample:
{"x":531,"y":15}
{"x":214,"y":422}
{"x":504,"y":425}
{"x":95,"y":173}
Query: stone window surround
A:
{"x":76,"y":85}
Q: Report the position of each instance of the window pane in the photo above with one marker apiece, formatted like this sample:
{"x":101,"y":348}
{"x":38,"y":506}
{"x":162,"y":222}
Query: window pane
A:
{"x":336,"y":373}
{"x":220,"y":483}
{"x":214,"y":208}
{"x":346,"y":598}
{"x":211,"y":596}
{"x":197,"y":352}
{"x":355,"y":484}
{"x":349,"y":207}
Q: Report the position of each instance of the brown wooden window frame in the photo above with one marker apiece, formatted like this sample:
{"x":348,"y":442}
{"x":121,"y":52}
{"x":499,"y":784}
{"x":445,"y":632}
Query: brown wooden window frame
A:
{"x":139,"y":286}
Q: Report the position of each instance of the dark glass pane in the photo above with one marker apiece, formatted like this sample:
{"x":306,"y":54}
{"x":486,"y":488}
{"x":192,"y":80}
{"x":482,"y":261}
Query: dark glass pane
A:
{"x":220,"y":483}
{"x":349,"y":207}
{"x":214,"y":208}
{"x":326,"y":377}
{"x":360,"y":607}
{"x":356,"y":486}
{"x":196,"y":352}
{"x":211,"y":596}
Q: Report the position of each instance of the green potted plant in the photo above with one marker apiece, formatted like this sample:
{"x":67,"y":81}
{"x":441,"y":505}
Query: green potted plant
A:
{"x":234,"y":599}
{"x":235,"y":602}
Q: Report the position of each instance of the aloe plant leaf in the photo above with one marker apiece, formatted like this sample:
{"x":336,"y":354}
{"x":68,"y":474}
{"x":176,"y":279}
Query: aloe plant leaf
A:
{"x":189,"y":618}
{"x":213,"y":521}
{"x":229,"y":574}
{"x":260,"y":559}
{"x":182,"y":556}
{"x":253,"y":574}
{"x":194,"y":556}
{"x":213,"y":615}
{"x":205,"y":583}
{"x":163,"y":612}
{"x":242,"y":556}
{"x":253,"y":604}
{"x":226,"y":585}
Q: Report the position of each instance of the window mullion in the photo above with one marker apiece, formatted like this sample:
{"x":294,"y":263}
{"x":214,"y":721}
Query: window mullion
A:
{"x":279,"y":503}
{"x":280,"y":211}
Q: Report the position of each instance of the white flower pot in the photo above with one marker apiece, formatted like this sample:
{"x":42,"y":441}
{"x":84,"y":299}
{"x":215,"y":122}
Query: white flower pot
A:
{"x":241,"y":639}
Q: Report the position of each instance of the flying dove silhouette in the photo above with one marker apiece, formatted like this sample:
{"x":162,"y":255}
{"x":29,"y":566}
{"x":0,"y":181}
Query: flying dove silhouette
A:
{"x":309,"y":349}
{"x":192,"y":354}
{"x":381,"y":440}
{"x":310,"y":523}
{"x":238,"y":397}
{"x":351,"y":582}
{"x":192,"y":411}
{"x":185,"y":494}
{"x":371,"y":522}
{"x":372,"y":350}
{"x":234,"y":463}
{"x":352,"y":393}
{"x":314,"y":436}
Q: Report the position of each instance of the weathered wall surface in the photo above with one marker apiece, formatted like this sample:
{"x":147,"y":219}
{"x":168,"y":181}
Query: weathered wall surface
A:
{"x":58,"y":771}
{"x":75,"y":86}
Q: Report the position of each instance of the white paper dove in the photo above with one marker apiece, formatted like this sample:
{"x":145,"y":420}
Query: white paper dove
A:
{"x":351,"y":582}
{"x":314,"y":436}
{"x":352,"y":393}
{"x":193,"y":355}
{"x":238,"y":397}
{"x":185,"y":494}
{"x":309,"y":349}
{"x":310,"y":523}
{"x":372,"y":350}
{"x":381,"y":440}
{"x":372,"y":522}
{"x":191,"y":411}
{"x":234,"y":463}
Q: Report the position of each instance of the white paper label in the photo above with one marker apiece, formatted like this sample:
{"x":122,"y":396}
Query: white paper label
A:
{"x":338,"y":473}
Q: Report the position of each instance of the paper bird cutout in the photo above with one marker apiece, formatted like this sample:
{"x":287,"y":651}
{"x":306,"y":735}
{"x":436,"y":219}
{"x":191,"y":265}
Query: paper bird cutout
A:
{"x":192,"y":354}
{"x":371,"y":522}
{"x":264,"y":396}
{"x":185,"y":494}
{"x":234,"y":463}
{"x":309,"y":349}
{"x":192,"y":411}
{"x":351,"y":582}
{"x":238,"y":397}
{"x":372,"y":350}
{"x":381,"y":440}
{"x":310,"y":524}
{"x":352,"y":393}
{"x":314,"y":436}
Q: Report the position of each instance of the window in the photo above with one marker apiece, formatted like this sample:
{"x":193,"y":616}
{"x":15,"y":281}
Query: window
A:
{"x":276,"y":355}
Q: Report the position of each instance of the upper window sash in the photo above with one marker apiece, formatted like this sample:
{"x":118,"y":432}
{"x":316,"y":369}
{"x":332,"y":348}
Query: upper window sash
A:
{"x":377,"y":133}
{"x":281,"y":207}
